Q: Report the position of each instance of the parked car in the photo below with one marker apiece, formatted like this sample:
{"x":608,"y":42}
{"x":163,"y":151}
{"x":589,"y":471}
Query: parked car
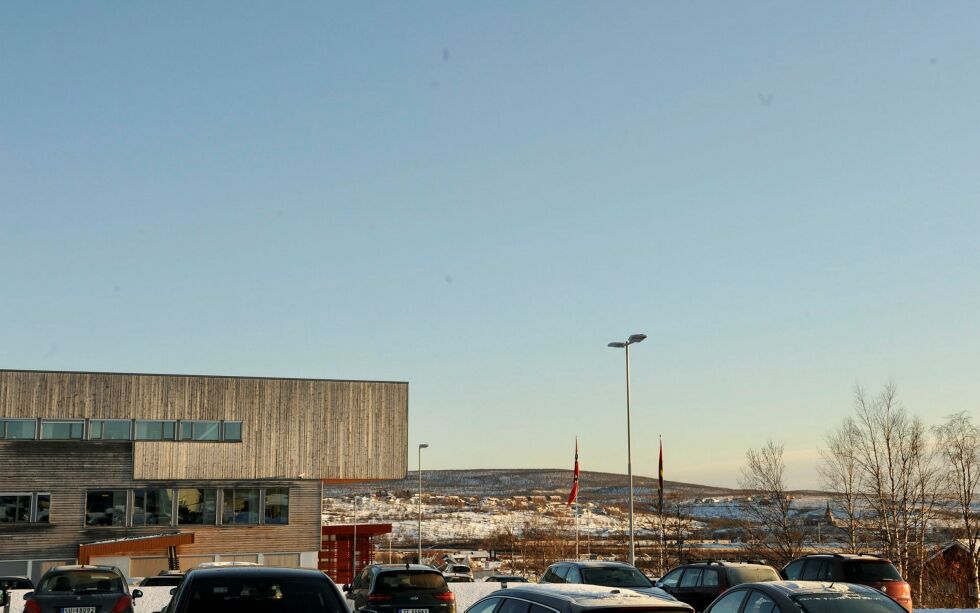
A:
{"x":167,"y":577}
{"x":81,"y":589}
{"x":863,"y":569}
{"x":699,"y":583}
{"x":256,"y":589}
{"x":506,"y":579}
{"x":569,"y":598}
{"x":13,"y":583}
{"x":598,"y":572}
{"x":401,"y":588}
{"x":457,"y":573}
{"x":805,"y":597}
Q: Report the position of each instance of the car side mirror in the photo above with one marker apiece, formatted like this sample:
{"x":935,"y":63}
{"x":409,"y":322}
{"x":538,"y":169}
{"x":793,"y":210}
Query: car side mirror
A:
{"x":346,"y":587}
{"x":173,"y":591}
{"x":28,"y":595}
{"x":137,"y":594}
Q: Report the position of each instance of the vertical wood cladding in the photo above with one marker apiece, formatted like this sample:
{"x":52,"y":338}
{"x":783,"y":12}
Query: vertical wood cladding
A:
{"x":292,"y":428}
{"x":68,"y":469}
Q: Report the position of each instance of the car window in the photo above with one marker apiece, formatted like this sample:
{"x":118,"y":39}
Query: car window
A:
{"x":672,"y":578}
{"x":512,"y":605}
{"x":81,"y":581}
{"x":793,"y":570}
{"x":238,"y":594}
{"x":690,"y":578}
{"x":550,"y":576}
{"x":536,"y":608}
{"x":408,"y":580}
{"x":814,"y":570}
{"x":615,"y":576}
{"x":878,"y":570}
{"x":486,"y":605}
{"x":573,"y":575}
{"x":848,"y":602}
{"x":729,"y":603}
{"x":759,"y":603}
{"x":709,"y":577}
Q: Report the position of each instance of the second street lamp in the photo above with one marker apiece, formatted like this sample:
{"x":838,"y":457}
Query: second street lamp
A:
{"x":632,"y":340}
{"x":421,"y":447}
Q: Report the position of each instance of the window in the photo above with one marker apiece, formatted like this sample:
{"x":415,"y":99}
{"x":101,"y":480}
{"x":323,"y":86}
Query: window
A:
{"x":42,"y":508}
{"x":240,"y":506}
{"x":729,"y":603}
{"x":197,"y":506}
{"x":153,"y":507}
{"x":690,"y":578}
{"x":793,"y":570}
{"x":672,"y":578}
{"x":155,"y":430}
{"x":816,"y":570}
{"x":513,"y":605}
{"x":573,"y":576}
{"x":18,"y":429}
{"x":200,"y":430}
{"x":485,"y":606}
{"x":709,"y":577}
{"x":110,"y":429}
{"x":232,"y":431}
{"x":15,"y":508}
{"x":105,"y":508}
{"x":759,"y":603}
{"x":277,"y":505}
{"x":62,"y":430}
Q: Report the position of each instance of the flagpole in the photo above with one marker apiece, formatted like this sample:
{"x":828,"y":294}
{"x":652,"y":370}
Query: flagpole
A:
{"x":575,"y":510}
{"x":660,"y":507}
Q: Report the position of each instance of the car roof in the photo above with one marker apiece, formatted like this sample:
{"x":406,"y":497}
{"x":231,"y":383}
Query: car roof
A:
{"x":420,"y":567}
{"x":594,"y":563}
{"x":585,"y":595}
{"x":797,"y":588}
{"x":254,"y":571}
{"x":75,"y":567}
{"x":726,"y":564}
{"x":845,"y":556}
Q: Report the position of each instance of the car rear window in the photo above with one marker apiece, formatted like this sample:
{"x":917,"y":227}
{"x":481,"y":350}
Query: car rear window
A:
{"x":254,"y":594}
{"x":847,"y":603}
{"x":407,"y":580}
{"x":615,"y":577}
{"x":752,"y":575}
{"x":871,"y":571}
{"x":81,"y":581}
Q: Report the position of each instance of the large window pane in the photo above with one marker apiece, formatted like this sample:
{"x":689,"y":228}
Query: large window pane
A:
{"x":155,"y":430}
{"x":105,"y":508}
{"x":15,"y":508}
{"x":196,"y":506}
{"x":43,"y":508}
{"x":152,"y":507}
{"x":18,"y":429}
{"x":200,"y":431}
{"x":277,"y":505}
{"x":62,"y":430}
{"x":109,"y":429}
{"x":240,"y":506}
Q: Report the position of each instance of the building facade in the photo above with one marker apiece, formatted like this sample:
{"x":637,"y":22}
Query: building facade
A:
{"x":124,"y":468}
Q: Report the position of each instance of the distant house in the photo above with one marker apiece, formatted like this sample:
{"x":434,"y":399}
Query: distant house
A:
{"x":947,"y":573}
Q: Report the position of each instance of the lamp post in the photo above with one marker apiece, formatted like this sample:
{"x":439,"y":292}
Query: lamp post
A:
{"x":633,"y":339}
{"x":421,"y":447}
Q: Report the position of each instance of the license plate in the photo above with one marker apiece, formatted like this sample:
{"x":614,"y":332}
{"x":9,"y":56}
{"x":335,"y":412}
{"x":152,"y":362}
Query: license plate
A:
{"x":413,"y":611}
{"x":78,"y":609}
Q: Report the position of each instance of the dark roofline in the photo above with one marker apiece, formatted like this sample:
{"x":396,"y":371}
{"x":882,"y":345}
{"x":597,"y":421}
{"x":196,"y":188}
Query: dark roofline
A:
{"x":145,"y":374}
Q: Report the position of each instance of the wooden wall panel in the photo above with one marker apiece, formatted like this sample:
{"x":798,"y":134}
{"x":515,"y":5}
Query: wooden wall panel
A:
{"x":292,"y":428}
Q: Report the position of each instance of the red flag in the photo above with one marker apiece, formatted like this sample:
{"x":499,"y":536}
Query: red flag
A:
{"x":574,"y":494}
{"x":660,"y":479}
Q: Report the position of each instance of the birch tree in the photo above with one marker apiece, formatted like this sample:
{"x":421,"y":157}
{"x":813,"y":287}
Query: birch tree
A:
{"x":959,"y":441}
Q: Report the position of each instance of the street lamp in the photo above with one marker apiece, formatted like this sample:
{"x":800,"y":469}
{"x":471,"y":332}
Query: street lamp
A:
{"x":634,"y":338}
{"x":421,"y":447}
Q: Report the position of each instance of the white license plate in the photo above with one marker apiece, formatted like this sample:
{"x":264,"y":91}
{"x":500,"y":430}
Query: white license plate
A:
{"x":413,"y":611}
{"x":78,"y":609}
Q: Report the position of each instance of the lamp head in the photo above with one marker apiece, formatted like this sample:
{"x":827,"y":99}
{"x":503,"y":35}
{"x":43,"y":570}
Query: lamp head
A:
{"x":617,"y":345}
{"x":636,"y":338}
{"x":424,"y":446}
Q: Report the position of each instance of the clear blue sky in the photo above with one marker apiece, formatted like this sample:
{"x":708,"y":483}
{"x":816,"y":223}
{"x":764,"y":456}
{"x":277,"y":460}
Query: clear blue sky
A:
{"x":477,"y":197}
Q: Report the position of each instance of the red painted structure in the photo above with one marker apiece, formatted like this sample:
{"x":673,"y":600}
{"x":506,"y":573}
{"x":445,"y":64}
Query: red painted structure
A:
{"x":337,"y":549}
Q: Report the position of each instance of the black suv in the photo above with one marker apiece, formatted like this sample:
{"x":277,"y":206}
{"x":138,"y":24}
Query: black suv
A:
{"x":401,"y":588}
{"x":255,"y":589}
{"x":699,"y":583}
{"x":81,"y":588}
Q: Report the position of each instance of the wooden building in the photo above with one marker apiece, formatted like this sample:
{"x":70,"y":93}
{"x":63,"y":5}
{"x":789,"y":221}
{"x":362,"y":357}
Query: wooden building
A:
{"x":122,"y":468}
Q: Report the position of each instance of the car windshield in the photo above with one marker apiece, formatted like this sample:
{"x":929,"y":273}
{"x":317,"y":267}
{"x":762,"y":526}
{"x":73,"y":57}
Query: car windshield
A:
{"x":615,"y":577}
{"x":260,"y":594}
{"x":81,"y":581}
{"x":404,"y":581}
{"x":752,"y":575}
{"x":847,"y":602}
{"x":861,"y":572}
{"x":170,"y":580}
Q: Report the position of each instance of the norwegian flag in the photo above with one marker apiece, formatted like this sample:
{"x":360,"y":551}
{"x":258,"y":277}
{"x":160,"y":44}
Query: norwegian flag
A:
{"x":574,"y":494}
